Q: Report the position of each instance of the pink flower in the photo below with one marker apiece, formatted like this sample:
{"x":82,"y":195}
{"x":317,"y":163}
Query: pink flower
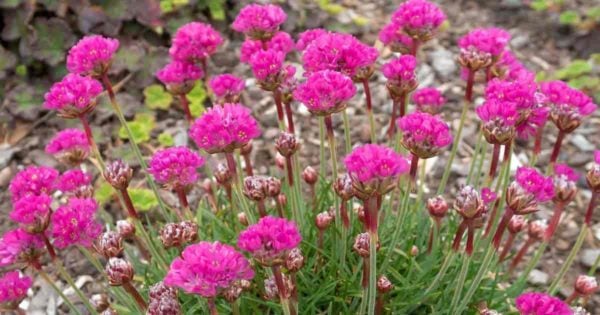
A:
{"x":224,"y":128}
{"x":597,"y":156}
{"x":488,"y":195}
{"x":270,"y":239}
{"x":73,"y":180}
{"x":308,"y":36}
{"x":375,"y":163}
{"x":342,"y":53}
{"x":18,"y":246}
{"x":194,"y":42}
{"x":325,"y":92}
{"x":561,"y":169}
{"x":70,"y":144}
{"x":259,"y":22}
{"x":227,"y":87}
{"x":499,"y":118}
{"x":207,"y":269}
{"x":73,"y":96}
{"x":401,"y":76}
{"x":535,"y":183}
{"x":33,"y":180}
{"x":13,"y":289}
{"x":392,"y":35}
{"x":567,"y":105}
{"x":176,"y":167}
{"x":424,"y":135}
{"x":32,"y":212}
{"x":429,"y":100}
{"x":534,"y":303}
{"x":492,"y":41}
{"x":92,"y":55}
{"x":75,"y":223}
{"x":282,"y":42}
{"x":419,"y":18}
{"x":508,"y":67}
{"x":267,"y":66}
{"x":179,"y":72}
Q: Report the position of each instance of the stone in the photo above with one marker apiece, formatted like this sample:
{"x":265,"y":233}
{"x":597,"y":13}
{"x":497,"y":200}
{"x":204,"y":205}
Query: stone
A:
{"x":538,"y":277}
{"x":443,"y":62}
{"x":589,"y":256}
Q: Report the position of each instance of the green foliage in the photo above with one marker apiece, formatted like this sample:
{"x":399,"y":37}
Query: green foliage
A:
{"x":197,"y":96}
{"x":165,"y":139}
{"x":331,"y":8}
{"x":48,"y":40}
{"x":143,"y":199}
{"x":569,"y":17}
{"x":168,"y":6}
{"x":574,"y":69}
{"x":141,"y":127}
{"x":156,"y":97}
{"x":103,"y":192}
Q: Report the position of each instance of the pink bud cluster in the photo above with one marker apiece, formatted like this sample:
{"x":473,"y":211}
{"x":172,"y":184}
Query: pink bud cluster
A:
{"x":19,"y":247}
{"x":270,"y":240}
{"x":325,"y":92}
{"x":567,"y":105}
{"x":534,"y":303}
{"x":73,"y":96}
{"x":75,"y":223}
{"x":259,"y":22}
{"x":375,"y":167}
{"x":424,"y":135}
{"x":69,"y":141}
{"x":428,"y":100}
{"x":179,"y":72}
{"x":92,"y":55}
{"x":175,"y":167}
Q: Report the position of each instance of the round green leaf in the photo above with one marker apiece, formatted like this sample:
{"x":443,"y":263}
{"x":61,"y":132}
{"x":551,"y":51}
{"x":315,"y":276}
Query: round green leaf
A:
{"x":156,"y":97}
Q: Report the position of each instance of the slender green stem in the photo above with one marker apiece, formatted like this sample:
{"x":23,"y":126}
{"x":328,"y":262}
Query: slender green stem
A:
{"x":487,"y":259}
{"x":65,"y":275}
{"x":363,"y":302}
{"x":457,"y":137}
{"x":477,"y":152}
{"x":459,"y":284}
{"x":322,"y":145}
{"x":59,"y":291}
{"x":567,"y":264}
{"x":400,"y":217}
{"x":372,"y":272}
{"x":151,"y":246}
{"x":436,"y":281}
{"x":347,"y":141}
{"x":341,"y":243}
{"x":594,"y":266}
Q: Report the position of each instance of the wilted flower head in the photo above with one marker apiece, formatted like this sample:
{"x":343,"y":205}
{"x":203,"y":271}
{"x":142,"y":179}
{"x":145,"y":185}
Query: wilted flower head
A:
{"x":419,"y":18}
{"x":534,"y":303}
{"x":516,"y":224}
{"x":325,"y":92}
{"x":482,"y":47}
{"x":32,"y":212}
{"x":429,"y":100}
{"x":392,"y":36}
{"x":437,"y":207}
{"x":593,"y":175}
{"x":163,"y":300}
{"x":118,"y":174}
{"x":567,"y":105}
{"x":19,"y":247}
{"x":323,"y":220}
{"x":401,"y":76}
{"x":499,"y":118}
{"x":208,"y":268}
{"x":227,"y":88}
{"x":109,"y":244}
{"x":307,"y":37}
{"x":343,"y":187}
{"x":73,"y":96}
{"x":536,"y":229}
{"x":281,"y":42}
{"x":287,"y":144}
{"x":256,"y":187}
{"x":75,"y":223}
{"x":468,"y":203}
{"x":33,"y":180}
{"x":270,"y":240}
{"x":294,"y":260}
{"x":118,"y":271}
{"x":259,"y":22}
{"x":424,"y":135}
{"x":179,"y":76}
{"x":70,"y":146}
{"x":565,"y":183}
{"x":224,"y":128}
{"x":73,"y":180}
{"x":362,"y":244}
{"x":194,"y":42}
{"x":125,"y":228}
{"x":384,"y":285}
{"x":178,"y":234}
{"x":586,"y":285}
{"x":175,"y":167}
{"x":13,"y":289}
{"x":92,"y":55}
{"x":374,"y":169}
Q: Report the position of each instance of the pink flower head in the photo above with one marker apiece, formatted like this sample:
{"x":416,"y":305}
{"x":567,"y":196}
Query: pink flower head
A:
{"x":176,"y":167}
{"x":561,"y":169}
{"x":342,"y":53}
{"x":401,"y":76}
{"x":282,"y":42}
{"x":92,"y":55}
{"x":33,"y":180}
{"x":227,"y":87}
{"x":567,"y":105}
{"x":392,"y":35}
{"x":325,"y":92}
{"x":267,"y":66}
{"x":75,"y":223}
{"x":72,"y":180}
{"x":179,"y":72}
{"x":13,"y":289}
{"x":419,"y":18}
{"x":508,"y":67}
{"x":534,"y":303}
{"x":73,"y":96}
{"x":208,"y":268}
{"x":488,"y":195}
{"x":424,"y":135}
{"x":499,"y":118}
{"x":194,"y":42}
{"x":597,"y":156}
{"x":491,"y":41}
{"x":374,"y":168}
{"x":259,"y":22}
{"x":32,"y":212}
{"x":17,"y":246}
{"x":308,"y":36}
{"x":535,"y":183}
{"x":70,"y":145}
{"x":270,"y":240}
{"x":224,"y":128}
{"x":429,"y":100}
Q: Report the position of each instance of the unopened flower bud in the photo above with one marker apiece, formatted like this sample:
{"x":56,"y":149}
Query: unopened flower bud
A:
{"x":384,"y":285}
{"x":271,"y":292}
{"x":118,"y":174}
{"x":361,"y":245}
{"x":273,"y":187}
{"x":233,"y":292}
{"x":178,"y":234}
{"x":100,"y":302}
{"x":280,"y":161}
{"x":118,"y":271}
{"x":255,"y":187}
{"x":437,"y":207}
{"x":323,"y":220}
{"x":294,"y":260}
{"x":125,"y":228}
{"x":474,"y":59}
{"x":593,"y":178}
{"x":536,"y":229}
{"x":468,"y":203}
{"x":163,"y":300}
{"x":516,"y":224}
{"x":160,"y":289}
{"x":246,"y":149}
{"x":242,"y":218}
{"x":286,"y":144}
{"x":310,"y":176}
{"x":109,"y":244}
{"x":414,"y":251}
{"x":282,"y":200}
{"x":343,"y":187}
{"x":223,"y":175}
{"x":586,"y":285}
{"x":190,"y":231}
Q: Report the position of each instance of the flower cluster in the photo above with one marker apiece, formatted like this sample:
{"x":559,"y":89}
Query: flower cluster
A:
{"x":281,"y":42}
{"x":33,"y":180}
{"x":392,"y":36}
{"x":325,"y":92}
{"x":178,"y":73}
{"x":176,"y":167}
{"x":73,"y":96}
{"x":32,"y":212}
{"x":535,"y":183}
{"x":75,"y":223}
{"x":419,"y":18}
{"x":13,"y":289}
{"x":270,"y":240}
{"x":499,"y":118}
{"x":482,"y":47}
{"x":268,"y":68}
{"x":401,"y":76}
{"x":73,"y":180}
{"x":194,"y":42}
{"x":307,"y":37}
{"x":92,"y":55}
{"x":428,"y":100}
{"x":567,"y":105}
{"x":534,"y":303}
{"x":259,"y":22}
{"x":424,"y":135}
{"x":70,"y":146}
{"x":19,"y":247}
{"x":227,"y":88}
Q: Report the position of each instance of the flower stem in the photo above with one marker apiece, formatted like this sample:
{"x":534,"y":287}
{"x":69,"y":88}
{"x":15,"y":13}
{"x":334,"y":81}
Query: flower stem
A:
{"x":129,"y":204}
{"x":58,"y":290}
{"x":65,"y":275}
{"x":49,"y":246}
{"x":567,"y":264}
{"x":135,"y":294}
{"x":494,"y":163}
{"x":558,"y":210}
{"x":477,"y":280}
{"x":185,"y":104}
{"x":414,"y":47}
{"x":181,"y":195}
{"x":248,"y":162}
{"x":508,"y":214}
{"x":289,"y":116}
{"x":537,"y":147}
{"x":520,"y":254}
{"x":341,"y":244}
{"x":460,"y":283}
{"x":463,"y":117}
{"x":557,"y":145}
{"x":278,"y":104}
{"x":347,"y":141}
{"x":283,"y":292}
{"x":372,"y":272}
{"x":231,"y":164}
{"x":590,"y":209}
{"x":365,"y":83}
{"x":414,"y":166}
{"x":507,"y":246}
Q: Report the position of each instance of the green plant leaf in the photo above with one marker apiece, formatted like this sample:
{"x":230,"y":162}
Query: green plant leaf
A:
{"x":103,"y":192}
{"x":141,"y":128}
{"x":49,"y":40}
{"x":585,"y":82}
{"x":143,"y":199}
{"x":196,"y":97}
{"x":8,"y":60}
{"x":574,"y":69}
{"x":10,"y":4}
{"x":569,"y":17}
{"x":539,"y":5}
{"x":216,"y":9}
{"x":166,"y":140}
{"x":593,"y":13}
{"x":156,"y":97}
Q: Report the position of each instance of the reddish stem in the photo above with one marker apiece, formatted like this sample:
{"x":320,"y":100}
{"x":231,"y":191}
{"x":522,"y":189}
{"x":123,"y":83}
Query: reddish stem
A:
{"x":469,"y":89}
{"x":557,"y":145}
{"x":379,"y":304}
{"x":49,"y":246}
{"x":231,"y":164}
{"x":344,"y":214}
{"x":181,"y":195}
{"x":264,"y":44}
{"x":129,"y":204}
{"x":108,"y":86}
{"x":185,"y":104}
{"x":508,"y":214}
{"x":371,"y":211}
{"x":590,"y":209}
{"x":414,"y":47}
{"x":204,"y":66}
{"x":558,"y":209}
{"x":136,"y":295}
{"x":290,"y":170}
{"x":88,"y":130}
{"x":492,"y":216}
{"x":290,"y":117}
{"x":277,"y":96}
{"x":470,"y":239}
{"x":430,"y":242}
{"x":248,"y":162}
{"x":515,"y":262}
{"x":507,"y":246}
{"x":494,"y":163}
{"x":392,"y":127}
{"x":488,"y":74}
{"x":212,"y":307}
{"x":320,"y":235}
{"x":572,"y":297}
{"x":262,"y":211}
{"x":365,"y":275}
{"x":279,"y":208}
{"x":414,"y":166}
{"x":365,"y":83}
{"x":507,"y":152}
{"x":402,"y":105}
{"x":537,"y":147}
{"x":458,"y":236}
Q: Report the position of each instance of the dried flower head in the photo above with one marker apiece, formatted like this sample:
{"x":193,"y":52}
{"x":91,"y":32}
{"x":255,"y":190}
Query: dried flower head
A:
{"x":178,"y":234}
{"x":428,"y":100}
{"x":287,"y":144}
{"x":256,"y":187}
{"x":310,"y":175}
{"x":323,"y":220}
{"x":75,"y":223}
{"x":393,"y":36}
{"x":125,"y":228}
{"x":586,"y":285}
{"x":295,"y":260}
{"x":516,"y":224}
{"x":499,"y":120}
{"x":194,"y":42}
{"x":32,"y":213}
{"x":13,"y":289}
{"x":118,"y":271}
{"x":118,"y":174}
{"x":270,"y":240}
{"x":223,"y":175}
{"x":92,"y":55}
{"x":307,"y":37}
{"x":179,"y":76}
{"x":70,"y":146}
{"x":109,"y":244}
{"x":175,"y":167}
{"x":401,"y":76}
{"x":568,"y":106}
{"x":259,"y":22}
{"x":19,"y":247}
{"x":529,"y":188}
{"x":362,"y":244}
{"x":419,"y":18}
{"x":343,"y":187}
{"x":33,"y":180}
{"x":163,"y":300}
{"x":227,"y":88}
{"x":565,"y":183}
{"x":384,"y":285}
{"x":437,"y":207}
{"x":424,"y":135}
{"x":534,"y":303}
{"x":73,"y":96}
{"x":325,"y":92}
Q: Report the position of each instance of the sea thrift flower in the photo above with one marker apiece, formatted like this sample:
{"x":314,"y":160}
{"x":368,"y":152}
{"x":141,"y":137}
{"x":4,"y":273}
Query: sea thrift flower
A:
{"x":534,"y":303}
{"x":401,"y":76}
{"x":13,"y":289}
{"x":392,"y":36}
{"x":194,"y":42}
{"x":424,"y":135}
{"x":281,"y":42}
{"x":19,"y":247}
{"x":118,"y":271}
{"x":565,"y":183}
{"x":482,"y":47}
{"x":586,"y":285}
{"x":32,"y":212}
{"x":179,"y":76}
{"x":75,"y":223}
{"x":472,"y":209}
{"x":109,"y":244}
{"x":307,"y":37}
{"x":70,"y":146}
{"x":419,"y":18}
{"x":118,"y":174}
{"x":224,"y":128}
{"x":325,"y":92}
{"x":295,"y":260}
{"x":175,"y":167}
{"x":92,"y":55}
{"x":72,"y":180}
{"x":73,"y":96}
{"x":178,"y":234}
{"x":227,"y":88}
{"x":268,"y":68}
{"x":428,"y":100}
{"x":508,"y":67}
{"x":33,"y":180}
{"x":568,"y":106}
{"x":207,"y":269}
{"x":310,"y":175}
{"x":270,"y":240}
{"x":499,"y":118}
{"x":488,"y":195}
{"x":259,"y":22}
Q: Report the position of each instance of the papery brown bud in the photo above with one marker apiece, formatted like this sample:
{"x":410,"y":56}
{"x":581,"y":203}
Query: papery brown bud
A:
{"x":255,"y":187}
{"x":100,"y":302}
{"x":287,"y":144}
{"x":519,"y":200}
{"x":468,"y":203}
{"x":280,"y":161}
{"x":437,"y":207}
{"x":163,"y":300}
{"x":233,"y":292}
{"x":310,"y":176}
{"x":343,"y":187}
{"x":118,"y":174}
{"x":109,"y":311}
{"x":118,"y":271}
{"x":273,"y":187}
{"x":125,"y":228}
{"x":361,"y":245}
{"x":536,"y":229}
{"x":178,"y":234}
{"x":86,"y":191}
{"x":294,"y":261}
{"x":246,"y":149}
{"x":414,"y":251}
{"x":271,"y":292}
{"x":565,"y":119}
{"x":242,"y":218}
{"x":323,"y":220}
{"x":160,"y":289}
{"x":384,"y":285}
{"x":190,"y":231}
{"x":586,"y":285}
{"x":223,"y":175}
{"x":516,"y":224}
{"x":593,"y":178}
{"x":474,"y":59}
{"x":109,"y":244}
